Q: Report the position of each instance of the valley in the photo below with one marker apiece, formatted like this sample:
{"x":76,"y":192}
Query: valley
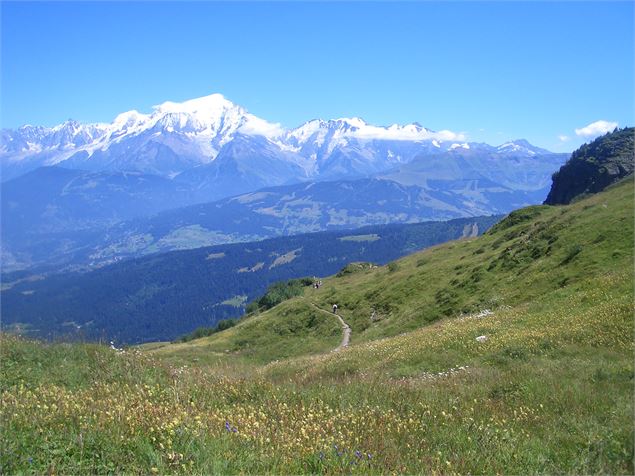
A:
{"x":137,"y":300}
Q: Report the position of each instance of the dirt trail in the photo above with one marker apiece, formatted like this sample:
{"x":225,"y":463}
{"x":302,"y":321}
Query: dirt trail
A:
{"x":346,"y":329}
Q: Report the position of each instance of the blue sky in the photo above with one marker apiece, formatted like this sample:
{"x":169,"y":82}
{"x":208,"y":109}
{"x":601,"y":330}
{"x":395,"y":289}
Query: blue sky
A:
{"x":494,"y":71}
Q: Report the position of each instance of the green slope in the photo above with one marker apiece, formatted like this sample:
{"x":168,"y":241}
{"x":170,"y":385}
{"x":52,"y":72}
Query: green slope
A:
{"x":538,"y":256}
{"x":549,"y":390}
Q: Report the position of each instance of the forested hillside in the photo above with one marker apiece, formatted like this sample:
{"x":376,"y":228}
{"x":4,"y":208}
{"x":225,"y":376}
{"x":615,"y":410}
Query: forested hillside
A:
{"x":163,"y":296}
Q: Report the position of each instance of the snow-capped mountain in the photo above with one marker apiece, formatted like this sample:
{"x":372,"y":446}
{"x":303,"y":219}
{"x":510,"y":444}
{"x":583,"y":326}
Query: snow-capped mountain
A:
{"x":188,"y":137}
{"x":209,"y":149}
{"x":172,"y":138}
{"x":520,"y":147}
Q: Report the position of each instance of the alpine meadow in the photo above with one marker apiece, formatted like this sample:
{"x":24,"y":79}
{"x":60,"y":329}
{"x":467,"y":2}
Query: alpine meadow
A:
{"x":319,"y":284}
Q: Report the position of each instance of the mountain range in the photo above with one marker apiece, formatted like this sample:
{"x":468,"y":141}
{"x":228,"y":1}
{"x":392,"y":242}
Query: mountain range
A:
{"x":211,"y":137}
{"x":95,"y":193}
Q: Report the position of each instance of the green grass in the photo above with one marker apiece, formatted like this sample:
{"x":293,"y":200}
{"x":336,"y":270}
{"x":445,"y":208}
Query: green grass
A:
{"x":296,"y":329}
{"x":533,"y":253}
{"x":549,"y":391}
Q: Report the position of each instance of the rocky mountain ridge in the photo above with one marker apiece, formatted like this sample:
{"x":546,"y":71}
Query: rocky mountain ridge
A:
{"x":594,"y":166}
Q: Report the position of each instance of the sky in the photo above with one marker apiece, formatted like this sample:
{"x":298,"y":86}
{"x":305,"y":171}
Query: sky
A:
{"x":553,"y":73}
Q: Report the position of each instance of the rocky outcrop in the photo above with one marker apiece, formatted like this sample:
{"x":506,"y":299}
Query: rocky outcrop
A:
{"x":594,"y":166}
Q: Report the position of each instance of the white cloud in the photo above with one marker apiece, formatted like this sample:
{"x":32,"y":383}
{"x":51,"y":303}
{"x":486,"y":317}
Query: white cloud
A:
{"x":359,"y":130}
{"x":596,"y":128}
{"x":259,"y":127}
{"x":409,"y":132}
{"x":449,"y":135}
{"x":564,"y":138}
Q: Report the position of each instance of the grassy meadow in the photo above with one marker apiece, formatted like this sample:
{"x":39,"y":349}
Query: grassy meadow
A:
{"x":546,"y":388}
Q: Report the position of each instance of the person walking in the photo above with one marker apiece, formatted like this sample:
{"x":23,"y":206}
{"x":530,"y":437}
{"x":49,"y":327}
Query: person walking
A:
{"x":334,"y":308}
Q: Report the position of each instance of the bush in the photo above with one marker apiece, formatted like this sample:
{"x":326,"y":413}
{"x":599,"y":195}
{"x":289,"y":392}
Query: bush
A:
{"x":354,"y":268}
{"x":208,"y":331}
{"x":572,"y":253}
{"x":279,"y":292}
{"x":523,"y":215}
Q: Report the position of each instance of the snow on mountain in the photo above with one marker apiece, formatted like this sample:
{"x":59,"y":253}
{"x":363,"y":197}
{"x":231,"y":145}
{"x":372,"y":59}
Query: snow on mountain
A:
{"x":465,"y":145}
{"x":34,"y":139}
{"x":212,"y":117}
{"x":338,"y":131}
{"x":178,"y":136}
{"x":350,"y":147}
{"x":521,"y":146}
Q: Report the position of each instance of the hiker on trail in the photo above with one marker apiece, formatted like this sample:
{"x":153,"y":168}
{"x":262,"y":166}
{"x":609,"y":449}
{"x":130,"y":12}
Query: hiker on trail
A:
{"x":334,"y":308}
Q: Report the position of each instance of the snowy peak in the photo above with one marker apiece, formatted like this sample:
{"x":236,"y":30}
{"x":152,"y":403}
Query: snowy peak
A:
{"x":521,"y":146}
{"x":349,"y":122}
{"x":67,"y":135}
{"x":206,"y":106}
{"x":212,"y":114}
{"x":129,"y":120}
{"x":345,"y":131}
{"x":341,"y":125}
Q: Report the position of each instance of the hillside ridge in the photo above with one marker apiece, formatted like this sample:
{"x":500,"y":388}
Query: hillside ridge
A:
{"x":594,"y":166}
{"x":532,"y":252}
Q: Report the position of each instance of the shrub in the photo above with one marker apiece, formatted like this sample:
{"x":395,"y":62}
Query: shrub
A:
{"x":279,"y":292}
{"x":208,"y":331}
{"x":354,"y":268}
{"x":572,"y":253}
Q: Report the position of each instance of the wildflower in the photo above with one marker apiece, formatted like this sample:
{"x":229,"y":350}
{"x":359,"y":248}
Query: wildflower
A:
{"x":358,"y":453}
{"x":337,"y":452}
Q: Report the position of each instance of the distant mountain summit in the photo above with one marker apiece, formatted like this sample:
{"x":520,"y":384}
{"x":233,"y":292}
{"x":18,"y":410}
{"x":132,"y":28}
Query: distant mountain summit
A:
{"x":521,"y":146}
{"x":594,"y":166}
